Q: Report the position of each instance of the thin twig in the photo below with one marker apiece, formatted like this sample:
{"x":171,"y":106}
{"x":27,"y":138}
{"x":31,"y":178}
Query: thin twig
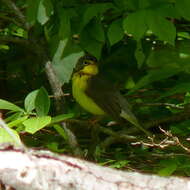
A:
{"x":169,"y":140}
{"x":56,"y":87}
{"x":72,"y":141}
{"x":175,"y":139}
{"x":163,"y":104}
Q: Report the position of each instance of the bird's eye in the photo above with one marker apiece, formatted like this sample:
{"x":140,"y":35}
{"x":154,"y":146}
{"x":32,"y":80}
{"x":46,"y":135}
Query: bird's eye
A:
{"x":85,"y":63}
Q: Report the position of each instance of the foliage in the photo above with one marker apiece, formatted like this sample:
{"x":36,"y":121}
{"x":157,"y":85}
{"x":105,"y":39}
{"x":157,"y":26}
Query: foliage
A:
{"x":144,"y":49}
{"x":34,"y":115}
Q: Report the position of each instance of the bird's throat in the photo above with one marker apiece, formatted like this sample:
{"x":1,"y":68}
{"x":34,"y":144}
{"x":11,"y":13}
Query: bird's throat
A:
{"x":79,"y":86}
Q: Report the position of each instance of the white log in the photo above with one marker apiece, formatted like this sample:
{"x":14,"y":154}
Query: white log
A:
{"x":46,"y":171}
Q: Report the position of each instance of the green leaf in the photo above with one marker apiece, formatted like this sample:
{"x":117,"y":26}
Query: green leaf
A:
{"x":55,"y":147}
{"x":139,"y":55}
{"x":96,"y":31}
{"x":165,"y":56}
{"x":34,"y":124}
{"x":61,"y":131}
{"x":65,"y":28}
{"x":32,"y":9}
{"x":185,"y":35}
{"x":168,"y":169}
{"x":61,"y":117}
{"x":181,"y":129}
{"x":13,"y":116}
{"x":130,"y":5}
{"x":9,"y":106}
{"x":91,"y":45}
{"x":65,"y":67}
{"x":182,"y":87}
{"x":94,"y":48}
{"x":17,"y":121}
{"x":164,"y":29}
{"x":29,"y":102}
{"x":166,"y":10}
{"x":94,"y":10}
{"x":129,"y":84}
{"x":115,"y":32}
{"x":183,"y":8}
{"x":65,"y":59}
{"x":57,"y":58}
{"x":156,"y":75}
{"x":187,"y":98}
{"x":143,"y":4}
{"x":135,"y":24}
{"x":5,"y":137}
{"x":45,"y":10}
{"x":42,"y":102}
{"x":119,"y":164}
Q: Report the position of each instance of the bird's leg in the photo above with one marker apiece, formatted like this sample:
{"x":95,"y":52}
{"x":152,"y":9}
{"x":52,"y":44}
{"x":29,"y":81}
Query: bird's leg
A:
{"x":94,"y":140}
{"x":95,"y":119}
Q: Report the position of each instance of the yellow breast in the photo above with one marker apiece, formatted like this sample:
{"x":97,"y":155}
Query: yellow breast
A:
{"x":79,"y":85}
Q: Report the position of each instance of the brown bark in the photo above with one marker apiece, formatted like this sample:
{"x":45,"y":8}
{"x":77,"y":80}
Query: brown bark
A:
{"x":46,"y":171}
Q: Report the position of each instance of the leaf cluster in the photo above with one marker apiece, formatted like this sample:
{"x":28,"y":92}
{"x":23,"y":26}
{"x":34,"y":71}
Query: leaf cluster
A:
{"x":143,"y":47}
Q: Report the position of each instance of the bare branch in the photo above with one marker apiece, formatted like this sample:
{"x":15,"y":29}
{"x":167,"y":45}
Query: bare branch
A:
{"x":72,"y":141}
{"x":175,"y":140}
{"x":55,"y":86}
{"x":163,"y":104}
{"x":45,"y":170}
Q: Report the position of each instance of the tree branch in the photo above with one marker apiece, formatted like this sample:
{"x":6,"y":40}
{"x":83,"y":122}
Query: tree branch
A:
{"x":72,"y":141}
{"x":45,"y":170}
{"x":55,"y":87}
{"x":162,"y":104}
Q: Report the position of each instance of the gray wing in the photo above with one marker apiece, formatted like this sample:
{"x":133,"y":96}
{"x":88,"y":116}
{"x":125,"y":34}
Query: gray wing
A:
{"x":110,"y":100}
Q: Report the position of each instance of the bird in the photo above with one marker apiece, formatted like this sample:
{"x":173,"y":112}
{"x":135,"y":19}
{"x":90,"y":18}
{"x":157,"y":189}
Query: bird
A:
{"x":99,"y":96}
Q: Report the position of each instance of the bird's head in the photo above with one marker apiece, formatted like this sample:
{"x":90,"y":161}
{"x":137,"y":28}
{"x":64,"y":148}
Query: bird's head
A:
{"x":88,"y":65}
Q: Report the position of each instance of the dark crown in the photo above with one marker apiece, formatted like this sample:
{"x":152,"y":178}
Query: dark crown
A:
{"x":89,"y":57}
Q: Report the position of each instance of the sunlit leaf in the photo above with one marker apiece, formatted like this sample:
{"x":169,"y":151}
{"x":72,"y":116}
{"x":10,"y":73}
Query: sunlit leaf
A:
{"x":17,"y":121}
{"x":42,"y":102}
{"x":29,"y":101}
{"x":65,"y":59}
{"x":168,"y":169}
{"x":61,"y":117}
{"x":32,"y":125}
{"x":45,"y":10}
{"x":9,"y":106}
{"x":5,"y":137}
{"x":60,"y":130}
